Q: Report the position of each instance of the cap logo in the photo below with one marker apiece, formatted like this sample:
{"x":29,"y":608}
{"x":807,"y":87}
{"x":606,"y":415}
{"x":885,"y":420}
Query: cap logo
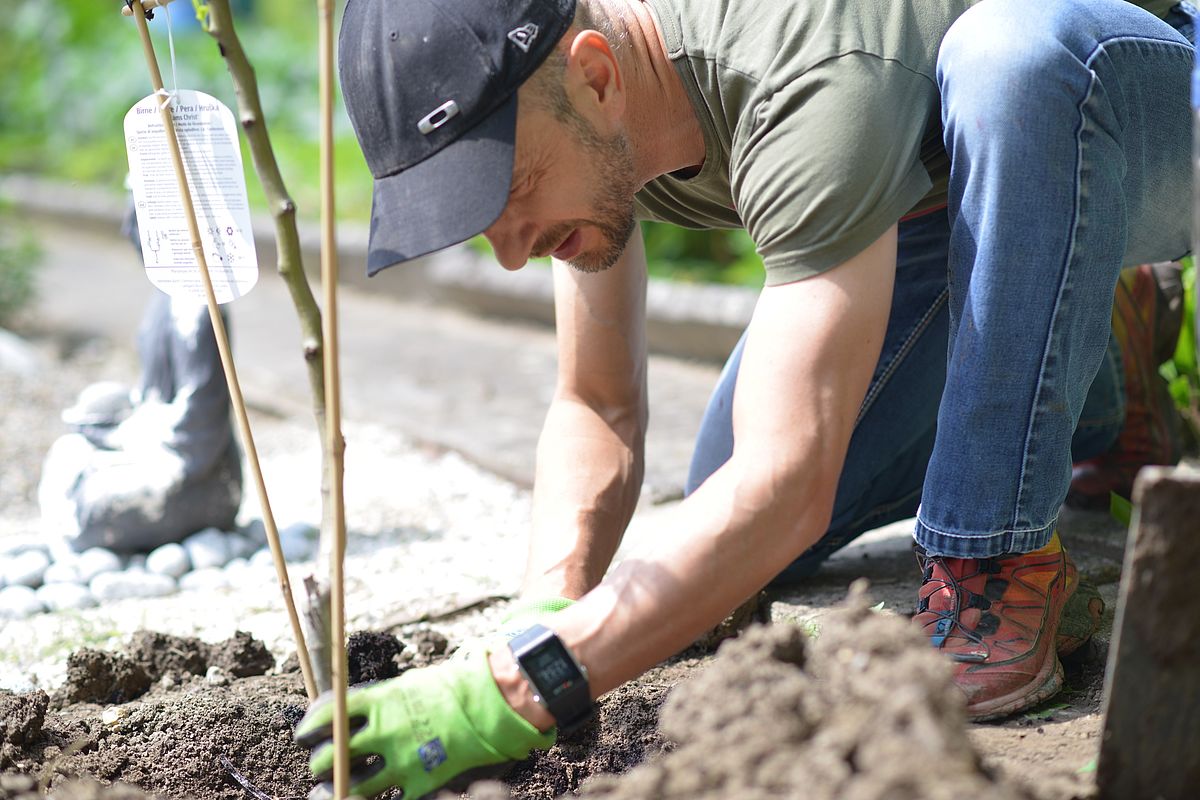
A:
{"x":438,"y":117}
{"x":524,"y":36}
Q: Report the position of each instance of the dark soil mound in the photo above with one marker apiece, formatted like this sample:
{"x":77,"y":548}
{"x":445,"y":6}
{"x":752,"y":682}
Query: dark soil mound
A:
{"x":241,"y":656}
{"x":623,"y":734}
{"x":161,"y":654}
{"x":371,"y":656}
{"x":181,"y":743}
{"x":183,"y":737}
{"x":865,"y":712}
{"x":21,"y":720}
{"x":94,"y":676}
{"x":177,"y":657}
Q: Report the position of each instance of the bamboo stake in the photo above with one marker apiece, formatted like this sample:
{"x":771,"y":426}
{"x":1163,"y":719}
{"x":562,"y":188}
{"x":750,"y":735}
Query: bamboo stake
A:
{"x":235,"y":391}
{"x":336,"y":445}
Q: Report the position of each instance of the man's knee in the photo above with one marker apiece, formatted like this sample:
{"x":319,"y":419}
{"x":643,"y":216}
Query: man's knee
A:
{"x":1001,"y":59}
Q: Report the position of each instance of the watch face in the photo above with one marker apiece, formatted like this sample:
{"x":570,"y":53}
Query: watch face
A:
{"x":551,"y":669}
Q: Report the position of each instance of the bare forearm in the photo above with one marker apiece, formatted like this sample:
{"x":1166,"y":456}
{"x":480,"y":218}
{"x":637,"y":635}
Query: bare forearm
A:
{"x":589,"y":473}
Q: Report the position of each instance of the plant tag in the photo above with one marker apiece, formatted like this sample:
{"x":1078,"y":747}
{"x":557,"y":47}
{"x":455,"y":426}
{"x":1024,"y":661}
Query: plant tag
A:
{"x":208,"y":140}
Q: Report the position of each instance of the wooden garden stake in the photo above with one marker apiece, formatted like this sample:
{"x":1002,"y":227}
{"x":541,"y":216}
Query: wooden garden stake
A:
{"x":334,"y":544}
{"x":235,"y":392}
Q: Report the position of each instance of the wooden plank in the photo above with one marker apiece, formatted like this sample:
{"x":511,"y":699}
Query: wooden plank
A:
{"x":1151,"y":742}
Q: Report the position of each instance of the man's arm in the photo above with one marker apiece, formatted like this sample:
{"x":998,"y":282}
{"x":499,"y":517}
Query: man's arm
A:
{"x":590,"y":453}
{"x":811,"y":350}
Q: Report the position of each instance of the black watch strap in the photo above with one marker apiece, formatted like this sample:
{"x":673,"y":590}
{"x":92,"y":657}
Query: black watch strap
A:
{"x":558,"y":680}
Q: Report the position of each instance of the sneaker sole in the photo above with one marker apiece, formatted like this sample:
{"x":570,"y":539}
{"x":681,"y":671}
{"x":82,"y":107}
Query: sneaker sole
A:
{"x":1021,"y":699}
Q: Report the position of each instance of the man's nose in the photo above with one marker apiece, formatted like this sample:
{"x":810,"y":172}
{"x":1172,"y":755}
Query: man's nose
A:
{"x":512,"y":242}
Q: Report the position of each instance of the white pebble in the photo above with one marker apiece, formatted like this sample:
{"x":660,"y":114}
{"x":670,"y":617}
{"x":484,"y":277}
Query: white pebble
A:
{"x":109,"y":586}
{"x":255,"y":531}
{"x":216,"y":676}
{"x":95,"y":561}
{"x":64,"y":596}
{"x":169,"y":559}
{"x":26,"y":569}
{"x":208,"y":548}
{"x":19,"y":602}
{"x":112,"y":715}
{"x":207,"y":579}
{"x":298,"y":541}
{"x":15,"y":545}
{"x":240,"y":546}
{"x":262,"y":559}
{"x":62,"y":572}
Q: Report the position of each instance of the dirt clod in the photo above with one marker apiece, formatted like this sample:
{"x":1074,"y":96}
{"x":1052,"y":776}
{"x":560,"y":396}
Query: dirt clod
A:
{"x":865,"y":712}
{"x":21,"y":719}
{"x":241,"y":656}
{"x":94,"y":676}
{"x":423,"y":646}
{"x":372,"y":656}
{"x":161,"y":654}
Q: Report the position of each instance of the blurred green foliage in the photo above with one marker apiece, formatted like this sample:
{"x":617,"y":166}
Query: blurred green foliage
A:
{"x":69,"y":71}
{"x":18,"y":260}
{"x":1183,"y":371}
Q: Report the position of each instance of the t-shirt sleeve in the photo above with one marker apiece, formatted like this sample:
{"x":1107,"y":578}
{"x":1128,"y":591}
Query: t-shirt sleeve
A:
{"x":828,"y":162}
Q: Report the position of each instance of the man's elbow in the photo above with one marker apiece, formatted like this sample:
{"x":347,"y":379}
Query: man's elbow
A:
{"x":795,"y":499}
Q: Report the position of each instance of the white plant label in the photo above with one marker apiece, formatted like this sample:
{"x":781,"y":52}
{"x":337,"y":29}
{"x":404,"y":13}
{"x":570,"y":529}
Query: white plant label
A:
{"x":208,"y":140}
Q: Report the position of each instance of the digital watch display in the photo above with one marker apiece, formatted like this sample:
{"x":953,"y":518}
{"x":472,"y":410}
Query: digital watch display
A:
{"x":558,"y":680}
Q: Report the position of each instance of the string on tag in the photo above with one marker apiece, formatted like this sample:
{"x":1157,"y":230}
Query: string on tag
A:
{"x":171,"y":46}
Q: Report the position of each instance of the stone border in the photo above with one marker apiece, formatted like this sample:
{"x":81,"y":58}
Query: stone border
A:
{"x":701,"y":321}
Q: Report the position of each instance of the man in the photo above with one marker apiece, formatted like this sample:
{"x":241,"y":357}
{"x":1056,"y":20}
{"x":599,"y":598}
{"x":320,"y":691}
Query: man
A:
{"x":943,"y":194}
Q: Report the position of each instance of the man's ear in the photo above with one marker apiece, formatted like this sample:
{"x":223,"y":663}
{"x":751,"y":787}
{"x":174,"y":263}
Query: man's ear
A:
{"x":594,"y":79}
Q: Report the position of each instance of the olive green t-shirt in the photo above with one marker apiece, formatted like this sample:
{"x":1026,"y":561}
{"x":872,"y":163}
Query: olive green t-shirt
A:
{"x":821,"y":122}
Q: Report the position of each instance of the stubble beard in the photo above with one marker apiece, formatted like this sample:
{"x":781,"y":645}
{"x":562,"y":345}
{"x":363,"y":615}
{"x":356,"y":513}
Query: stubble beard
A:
{"x":611,"y":167}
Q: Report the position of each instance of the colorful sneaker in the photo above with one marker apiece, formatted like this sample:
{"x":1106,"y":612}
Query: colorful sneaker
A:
{"x":1147,"y":315}
{"x":997,"y":618}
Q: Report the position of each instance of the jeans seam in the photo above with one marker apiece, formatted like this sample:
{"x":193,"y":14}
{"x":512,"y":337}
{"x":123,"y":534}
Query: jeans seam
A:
{"x":1058,"y":299}
{"x":992,"y":535}
{"x":906,"y":347}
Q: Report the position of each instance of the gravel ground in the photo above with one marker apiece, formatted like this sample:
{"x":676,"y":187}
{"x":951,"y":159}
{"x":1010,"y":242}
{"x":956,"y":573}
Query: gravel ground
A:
{"x":428,"y":531}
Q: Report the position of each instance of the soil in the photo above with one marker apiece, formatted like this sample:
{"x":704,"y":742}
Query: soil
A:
{"x":774,"y":714}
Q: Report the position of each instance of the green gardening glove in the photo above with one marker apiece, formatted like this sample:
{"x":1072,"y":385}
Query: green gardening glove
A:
{"x":426,"y":727}
{"x":521,"y":615}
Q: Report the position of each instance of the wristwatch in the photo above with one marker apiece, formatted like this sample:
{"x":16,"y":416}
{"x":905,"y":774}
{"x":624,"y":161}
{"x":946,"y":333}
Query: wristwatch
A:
{"x":558,"y":680}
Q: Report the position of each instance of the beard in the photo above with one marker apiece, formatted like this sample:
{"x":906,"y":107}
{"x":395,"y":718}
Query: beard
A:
{"x":610,"y":169}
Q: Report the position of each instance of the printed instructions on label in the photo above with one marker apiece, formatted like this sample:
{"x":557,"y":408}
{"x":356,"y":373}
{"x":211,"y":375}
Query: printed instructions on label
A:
{"x":208,"y":139}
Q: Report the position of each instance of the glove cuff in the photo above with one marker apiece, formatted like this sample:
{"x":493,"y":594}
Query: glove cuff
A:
{"x":535,"y":607}
{"x":508,"y":733}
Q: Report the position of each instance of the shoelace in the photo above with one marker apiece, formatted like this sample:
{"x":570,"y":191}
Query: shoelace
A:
{"x":948,"y":619}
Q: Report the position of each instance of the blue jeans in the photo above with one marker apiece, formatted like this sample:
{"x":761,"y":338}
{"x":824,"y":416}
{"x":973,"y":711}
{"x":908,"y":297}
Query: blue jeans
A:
{"x":1068,"y":127}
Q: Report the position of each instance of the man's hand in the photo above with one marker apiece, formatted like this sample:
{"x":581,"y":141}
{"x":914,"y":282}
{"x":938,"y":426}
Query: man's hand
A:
{"x":424,"y":728}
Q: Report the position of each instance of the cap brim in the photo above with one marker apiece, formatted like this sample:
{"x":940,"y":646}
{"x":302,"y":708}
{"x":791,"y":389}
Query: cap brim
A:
{"x":447,"y":198}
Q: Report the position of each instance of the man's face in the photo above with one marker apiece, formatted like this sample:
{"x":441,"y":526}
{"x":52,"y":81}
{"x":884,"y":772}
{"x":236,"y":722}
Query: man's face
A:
{"x":571,"y":197}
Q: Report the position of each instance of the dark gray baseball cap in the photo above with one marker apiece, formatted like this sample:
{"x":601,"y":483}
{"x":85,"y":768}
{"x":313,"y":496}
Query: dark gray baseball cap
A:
{"x":431,"y":88}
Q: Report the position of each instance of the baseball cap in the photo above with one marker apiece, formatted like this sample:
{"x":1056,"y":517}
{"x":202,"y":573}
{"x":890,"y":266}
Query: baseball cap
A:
{"x":431,"y":89}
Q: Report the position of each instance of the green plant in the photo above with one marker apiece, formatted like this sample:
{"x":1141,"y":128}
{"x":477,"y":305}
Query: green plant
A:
{"x":18,"y":262}
{"x":1182,"y":371}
